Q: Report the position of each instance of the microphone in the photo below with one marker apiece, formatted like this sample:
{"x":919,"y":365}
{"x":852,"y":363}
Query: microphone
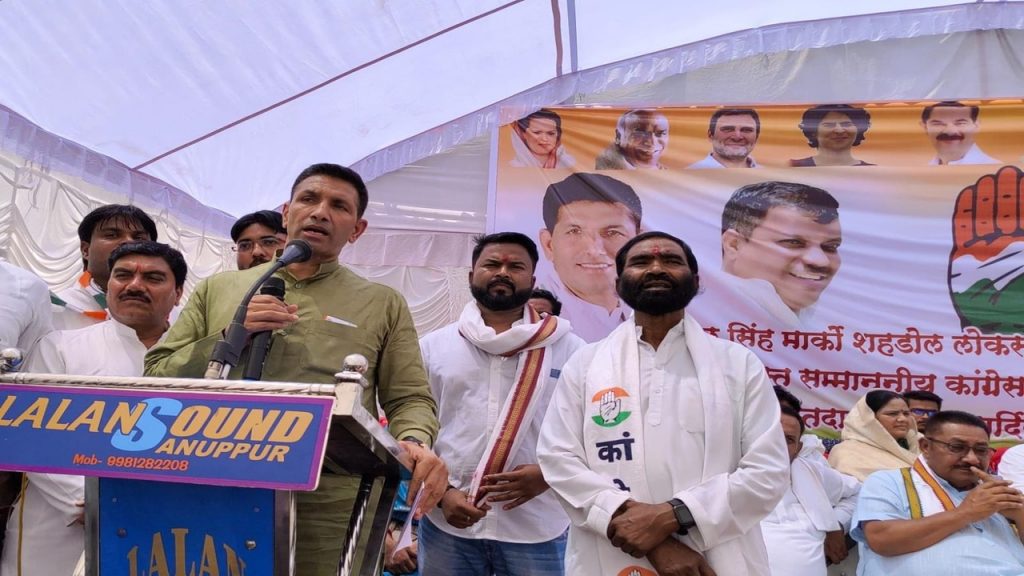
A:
{"x":295,"y":251}
{"x":229,"y":348}
{"x":260,"y":345}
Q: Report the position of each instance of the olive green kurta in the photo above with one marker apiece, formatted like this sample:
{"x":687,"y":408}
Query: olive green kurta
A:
{"x":375,"y":322}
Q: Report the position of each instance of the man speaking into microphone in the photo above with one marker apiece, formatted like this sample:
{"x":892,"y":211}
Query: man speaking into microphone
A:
{"x":328,"y":312}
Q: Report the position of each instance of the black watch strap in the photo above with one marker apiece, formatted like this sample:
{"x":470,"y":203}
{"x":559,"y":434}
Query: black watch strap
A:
{"x":683,"y":516}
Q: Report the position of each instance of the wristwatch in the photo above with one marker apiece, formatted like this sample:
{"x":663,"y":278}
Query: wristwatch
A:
{"x":683,"y":516}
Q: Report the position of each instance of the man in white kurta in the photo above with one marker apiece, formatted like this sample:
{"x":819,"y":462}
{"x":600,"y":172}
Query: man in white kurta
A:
{"x":24,"y":308}
{"x":817,"y":501}
{"x":45,"y":534}
{"x":663,"y":443}
{"x":475,"y":371}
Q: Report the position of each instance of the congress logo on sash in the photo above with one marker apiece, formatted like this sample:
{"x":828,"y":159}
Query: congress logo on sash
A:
{"x":608,"y":403}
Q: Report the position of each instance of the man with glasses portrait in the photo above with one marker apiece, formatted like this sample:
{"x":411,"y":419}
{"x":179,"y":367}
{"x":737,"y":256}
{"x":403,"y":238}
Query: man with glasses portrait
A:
{"x":945,"y":515}
{"x":257,"y":237}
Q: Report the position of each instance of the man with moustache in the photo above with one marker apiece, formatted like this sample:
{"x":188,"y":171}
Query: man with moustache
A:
{"x":328,"y":313}
{"x":663,"y":443}
{"x":641,"y":137}
{"x":257,"y":238}
{"x":45,"y":534}
{"x":733,"y":133}
{"x":944,"y":515}
{"x":952,"y":127}
{"x":780,"y":244}
{"x":587,"y":218}
{"x":492,"y":373}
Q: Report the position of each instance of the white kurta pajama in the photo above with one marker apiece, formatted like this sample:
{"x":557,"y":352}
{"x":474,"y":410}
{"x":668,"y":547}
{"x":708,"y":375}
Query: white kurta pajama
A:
{"x":470,"y":386}
{"x":40,"y":519}
{"x":818,"y":500}
{"x":704,"y":425}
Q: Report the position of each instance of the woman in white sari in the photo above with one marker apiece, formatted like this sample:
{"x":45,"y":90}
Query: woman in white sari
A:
{"x":537,"y":142}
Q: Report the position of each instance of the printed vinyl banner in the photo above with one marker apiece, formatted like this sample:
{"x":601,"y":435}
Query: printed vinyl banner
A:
{"x":247,"y":440}
{"x":850,"y":247}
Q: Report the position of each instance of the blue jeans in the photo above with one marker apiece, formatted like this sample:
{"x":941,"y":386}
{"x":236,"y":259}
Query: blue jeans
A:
{"x":441,"y":554}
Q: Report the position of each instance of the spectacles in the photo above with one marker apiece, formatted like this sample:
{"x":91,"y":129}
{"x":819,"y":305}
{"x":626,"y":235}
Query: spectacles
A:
{"x":924,"y":412}
{"x":267,"y":242}
{"x":960,"y":449}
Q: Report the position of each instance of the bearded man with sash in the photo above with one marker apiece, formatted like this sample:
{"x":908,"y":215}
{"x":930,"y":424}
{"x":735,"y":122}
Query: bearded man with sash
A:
{"x":492,"y":373}
{"x":944,"y":515}
{"x":663,"y":443}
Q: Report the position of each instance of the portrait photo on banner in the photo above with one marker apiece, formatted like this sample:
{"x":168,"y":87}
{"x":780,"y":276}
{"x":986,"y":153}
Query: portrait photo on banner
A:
{"x":896,"y":261}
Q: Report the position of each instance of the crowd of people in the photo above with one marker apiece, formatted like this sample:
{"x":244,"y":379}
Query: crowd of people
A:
{"x":658,"y":449}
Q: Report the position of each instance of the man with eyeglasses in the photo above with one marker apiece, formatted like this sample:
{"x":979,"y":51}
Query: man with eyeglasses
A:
{"x":923,"y":405}
{"x":257,"y":237}
{"x":945,"y":515}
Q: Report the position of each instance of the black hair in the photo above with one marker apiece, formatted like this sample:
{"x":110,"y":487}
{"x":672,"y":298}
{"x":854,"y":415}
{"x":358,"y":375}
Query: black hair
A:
{"x":556,"y":304}
{"x":749,"y":205}
{"x":585,"y":187}
{"x":876,"y":399}
{"x":813,"y":116}
{"x":129,"y":216}
{"x":954,"y":417}
{"x":620,"y":257}
{"x":505,"y":238}
{"x":923,"y":396}
{"x":786,"y":398}
{"x":789,"y":411}
{"x":542,"y":114}
{"x":175,"y":261}
{"x":268,"y":218}
{"x":341,"y":173}
{"x":927,"y":112}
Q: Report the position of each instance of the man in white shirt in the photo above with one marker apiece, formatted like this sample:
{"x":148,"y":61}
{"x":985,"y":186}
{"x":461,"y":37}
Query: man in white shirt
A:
{"x":663,"y":443}
{"x":818,"y":500}
{"x":492,"y":373}
{"x":587,"y":218}
{"x":733,"y":133}
{"x":25,"y":315}
{"x":952,"y":127}
{"x":99,"y":233}
{"x":780,"y":241}
{"x":45,"y":533}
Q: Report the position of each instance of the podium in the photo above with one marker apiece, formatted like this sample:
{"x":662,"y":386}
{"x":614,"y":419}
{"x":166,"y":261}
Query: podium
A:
{"x":198,"y":477}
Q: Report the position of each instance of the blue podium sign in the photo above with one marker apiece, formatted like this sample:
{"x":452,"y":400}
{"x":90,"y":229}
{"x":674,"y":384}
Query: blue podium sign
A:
{"x":224,"y":439}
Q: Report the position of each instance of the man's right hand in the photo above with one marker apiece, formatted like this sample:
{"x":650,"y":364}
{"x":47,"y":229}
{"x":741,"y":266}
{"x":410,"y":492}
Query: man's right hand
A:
{"x":990,"y":497}
{"x":266,"y":312}
{"x":673,"y":558}
{"x":459,"y":511}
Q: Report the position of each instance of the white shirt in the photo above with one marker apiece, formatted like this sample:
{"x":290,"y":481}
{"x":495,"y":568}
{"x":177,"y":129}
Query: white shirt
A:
{"x":795,"y":545}
{"x":1011,"y":465}
{"x":24,"y":308}
{"x":49,"y":546}
{"x":591,"y":322}
{"x":710,"y":161}
{"x":973,"y":156}
{"x":470,"y":386}
{"x":675,"y":444}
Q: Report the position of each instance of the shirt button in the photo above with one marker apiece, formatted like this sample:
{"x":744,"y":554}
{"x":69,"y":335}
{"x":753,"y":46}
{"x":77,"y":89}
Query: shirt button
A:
{"x":299,"y":284}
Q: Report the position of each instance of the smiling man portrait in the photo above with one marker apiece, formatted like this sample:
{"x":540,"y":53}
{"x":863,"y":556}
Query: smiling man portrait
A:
{"x":780,"y":240}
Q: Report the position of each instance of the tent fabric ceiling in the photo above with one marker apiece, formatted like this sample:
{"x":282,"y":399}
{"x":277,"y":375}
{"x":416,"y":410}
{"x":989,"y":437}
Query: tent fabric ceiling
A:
{"x":226,"y":101}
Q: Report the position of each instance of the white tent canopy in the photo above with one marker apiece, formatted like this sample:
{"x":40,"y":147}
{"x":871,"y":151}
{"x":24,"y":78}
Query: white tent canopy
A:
{"x":203,"y":111}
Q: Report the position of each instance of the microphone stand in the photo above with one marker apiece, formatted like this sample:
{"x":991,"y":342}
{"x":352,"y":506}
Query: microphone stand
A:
{"x":228,"y":349}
